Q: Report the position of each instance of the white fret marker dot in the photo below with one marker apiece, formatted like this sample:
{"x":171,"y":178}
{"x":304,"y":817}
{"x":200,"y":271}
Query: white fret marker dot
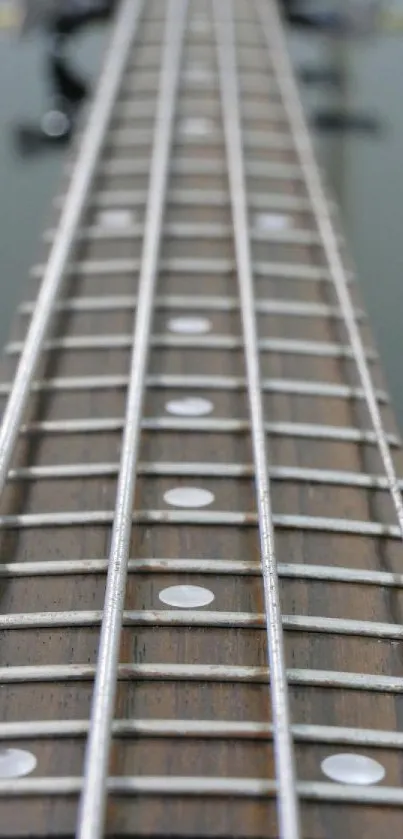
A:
{"x":190,"y":325}
{"x":189,"y":407}
{"x":115,"y":219}
{"x":353,"y":769}
{"x":15,"y":763}
{"x":188,"y":497}
{"x":200,"y":25}
{"x":198,"y":74}
{"x":198,"y":127}
{"x":186,"y":597}
{"x":269,"y":222}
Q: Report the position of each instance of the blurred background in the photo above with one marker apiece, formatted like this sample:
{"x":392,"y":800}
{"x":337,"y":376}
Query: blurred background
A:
{"x":363,"y":158}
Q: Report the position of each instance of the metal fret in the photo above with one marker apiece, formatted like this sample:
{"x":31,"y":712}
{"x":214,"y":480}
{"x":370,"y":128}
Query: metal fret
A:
{"x":229,"y":85}
{"x":220,"y":426}
{"x":83,"y":174}
{"x":194,"y":198}
{"x":216,"y":518}
{"x":202,"y":470}
{"x":281,"y":346}
{"x":132,"y":137}
{"x":135,"y":110}
{"x":299,"y":387}
{"x":263,"y":306}
{"x":233,"y":674}
{"x":205,"y":729}
{"x":318,"y":573}
{"x":187,"y":230}
{"x":207,"y":619}
{"x":93,"y":803}
{"x":199,"y":787}
{"x":277,"y":270}
{"x":252,"y":81}
{"x":193,"y":168}
{"x":270,"y":23}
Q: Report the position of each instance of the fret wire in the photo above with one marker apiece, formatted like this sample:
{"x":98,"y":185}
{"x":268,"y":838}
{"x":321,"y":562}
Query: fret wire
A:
{"x":288,"y":814}
{"x":195,"y":197}
{"x":134,"y":110}
{"x":271,"y":28}
{"x":150,"y":76}
{"x":93,"y":803}
{"x":216,"y":673}
{"x":193,"y":469}
{"x":207,"y":619}
{"x":82,"y":177}
{"x":216,"y":518}
{"x":266,"y":81}
{"x":194,"y":168}
{"x":279,"y":270}
{"x":297,"y":387}
{"x":199,"y":787}
{"x":219,"y":426}
{"x":189,"y":230}
{"x":78,"y":343}
{"x":254,"y":139}
{"x":317,"y":573}
{"x":205,"y":729}
{"x":263,"y":306}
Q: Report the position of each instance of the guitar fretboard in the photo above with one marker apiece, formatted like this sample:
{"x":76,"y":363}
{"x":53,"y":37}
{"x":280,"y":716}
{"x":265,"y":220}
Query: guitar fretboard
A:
{"x":201,"y":518}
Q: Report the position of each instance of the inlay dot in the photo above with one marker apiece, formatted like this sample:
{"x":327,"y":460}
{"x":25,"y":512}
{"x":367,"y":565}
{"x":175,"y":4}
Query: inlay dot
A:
{"x":115,"y":219}
{"x":198,"y":74}
{"x":352,"y":769}
{"x":15,"y":763}
{"x":190,"y":497}
{"x":196,"y":127}
{"x":191,"y":406}
{"x":186,"y":597}
{"x":271,"y":222}
{"x":200,"y":25}
{"x":190,"y":325}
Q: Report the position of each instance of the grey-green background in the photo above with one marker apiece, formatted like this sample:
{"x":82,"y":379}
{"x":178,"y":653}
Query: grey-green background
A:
{"x":365,"y":172}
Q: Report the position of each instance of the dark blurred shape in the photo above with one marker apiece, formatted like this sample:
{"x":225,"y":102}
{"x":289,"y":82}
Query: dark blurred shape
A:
{"x":326,"y":76}
{"x":337,"y":121}
{"x":357,"y":18}
{"x":68,"y":90}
